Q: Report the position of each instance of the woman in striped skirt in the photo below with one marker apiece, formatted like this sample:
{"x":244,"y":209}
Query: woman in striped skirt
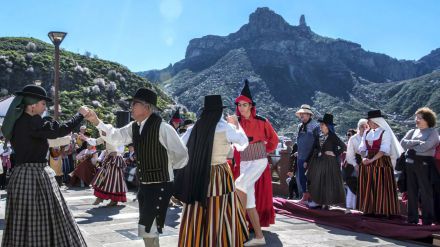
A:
{"x":377,"y":186}
{"x":109,"y":183}
{"x":86,"y":169}
{"x":36,"y":212}
{"x":56,"y":163}
{"x":212,"y":214}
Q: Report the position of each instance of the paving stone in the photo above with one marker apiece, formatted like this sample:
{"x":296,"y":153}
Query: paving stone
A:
{"x":117,"y":226}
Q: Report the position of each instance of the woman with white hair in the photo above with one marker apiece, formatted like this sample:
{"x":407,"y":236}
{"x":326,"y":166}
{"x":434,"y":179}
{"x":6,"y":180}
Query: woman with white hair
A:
{"x":352,"y":161}
{"x":380,"y":149}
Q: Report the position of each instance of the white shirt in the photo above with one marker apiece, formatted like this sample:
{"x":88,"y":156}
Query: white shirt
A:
{"x":352,"y":149}
{"x":176,"y":150}
{"x":373,"y":135}
{"x":235,"y":136}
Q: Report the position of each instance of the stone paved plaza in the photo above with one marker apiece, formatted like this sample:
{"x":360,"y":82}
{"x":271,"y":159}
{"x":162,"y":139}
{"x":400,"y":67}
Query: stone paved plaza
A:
{"x":117,"y":226}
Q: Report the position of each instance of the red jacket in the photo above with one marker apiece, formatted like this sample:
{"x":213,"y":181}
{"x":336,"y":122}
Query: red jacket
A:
{"x":259,"y":129}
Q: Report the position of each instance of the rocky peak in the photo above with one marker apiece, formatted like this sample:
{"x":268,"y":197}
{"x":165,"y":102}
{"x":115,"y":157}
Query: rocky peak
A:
{"x":264,"y":19}
{"x":432,"y":60}
{"x":302,"y":21}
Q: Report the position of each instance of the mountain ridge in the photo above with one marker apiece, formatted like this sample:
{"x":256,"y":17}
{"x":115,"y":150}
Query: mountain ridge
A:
{"x":290,"y":63}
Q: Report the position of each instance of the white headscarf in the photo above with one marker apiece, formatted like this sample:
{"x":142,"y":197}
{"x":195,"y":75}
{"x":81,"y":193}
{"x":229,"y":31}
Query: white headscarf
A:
{"x":361,"y":122}
{"x":396,"y":149}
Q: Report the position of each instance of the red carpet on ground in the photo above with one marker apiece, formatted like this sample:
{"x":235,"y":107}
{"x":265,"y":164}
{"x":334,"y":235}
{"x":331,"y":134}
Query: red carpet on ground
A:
{"x":395,"y":227}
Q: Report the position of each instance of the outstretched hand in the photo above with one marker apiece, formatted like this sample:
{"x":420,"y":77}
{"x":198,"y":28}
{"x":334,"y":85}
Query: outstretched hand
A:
{"x":92,"y":118}
{"x":232,"y":119}
{"x":84,"y":110}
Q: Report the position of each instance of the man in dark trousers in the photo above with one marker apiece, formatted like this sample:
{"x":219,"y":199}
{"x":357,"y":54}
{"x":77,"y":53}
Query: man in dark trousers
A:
{"x":308,"y":134}
{"x":159,"y":150}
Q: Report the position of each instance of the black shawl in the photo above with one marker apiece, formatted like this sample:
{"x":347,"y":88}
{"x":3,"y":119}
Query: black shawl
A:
{"x":192,"y":181}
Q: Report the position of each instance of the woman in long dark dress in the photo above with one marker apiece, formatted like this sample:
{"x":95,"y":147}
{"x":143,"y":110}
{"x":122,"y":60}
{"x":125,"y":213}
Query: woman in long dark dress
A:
{"x":36,"y":212}
{"x":324,"y":172}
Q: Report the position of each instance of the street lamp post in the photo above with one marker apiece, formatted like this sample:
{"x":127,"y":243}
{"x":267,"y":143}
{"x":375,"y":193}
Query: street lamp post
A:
{"x":57,"y":38}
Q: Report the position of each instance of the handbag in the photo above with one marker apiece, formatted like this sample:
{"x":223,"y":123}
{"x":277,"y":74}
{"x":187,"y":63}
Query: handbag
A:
{"x":400,"y":163}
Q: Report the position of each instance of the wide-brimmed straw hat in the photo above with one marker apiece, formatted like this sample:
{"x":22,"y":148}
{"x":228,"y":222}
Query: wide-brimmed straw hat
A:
{"x":304,"y":109}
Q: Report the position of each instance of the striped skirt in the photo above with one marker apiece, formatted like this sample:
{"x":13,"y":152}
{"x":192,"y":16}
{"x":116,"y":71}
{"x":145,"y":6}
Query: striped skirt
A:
{"x":36,"y":212}
{"x":377,"y":191}
{"x":222,"y":222}
{"x":109,"y":183}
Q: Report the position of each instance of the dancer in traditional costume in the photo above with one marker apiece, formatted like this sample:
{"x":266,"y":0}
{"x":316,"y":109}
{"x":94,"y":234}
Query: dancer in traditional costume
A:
{"x":377,"y":185}
{"x":109,"y":183}
{"x":324,"y":172}
{"x":36,"y":212}
{"x":212,"y":214}
{"x":176,"y":120}
{"x":159,"y":150}
{"x":86,"y":168}
{"x":254,"y":165}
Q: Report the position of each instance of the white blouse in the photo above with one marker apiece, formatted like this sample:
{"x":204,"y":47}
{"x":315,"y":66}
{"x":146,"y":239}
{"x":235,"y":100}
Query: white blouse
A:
{"x":235,"y":136}
{"x":373,"y":135}
{"x":352,"y":149}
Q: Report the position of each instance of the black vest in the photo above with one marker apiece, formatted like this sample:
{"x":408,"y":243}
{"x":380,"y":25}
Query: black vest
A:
{"x":151,"y":156}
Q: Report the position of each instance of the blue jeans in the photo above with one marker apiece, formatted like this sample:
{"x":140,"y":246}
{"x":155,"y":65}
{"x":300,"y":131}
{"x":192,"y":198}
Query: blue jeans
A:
{"x":301,"y":176}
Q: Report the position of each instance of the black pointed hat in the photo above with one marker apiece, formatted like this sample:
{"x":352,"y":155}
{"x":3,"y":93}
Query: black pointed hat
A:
{"x":246,"y":92}
{"x":176,"y":116}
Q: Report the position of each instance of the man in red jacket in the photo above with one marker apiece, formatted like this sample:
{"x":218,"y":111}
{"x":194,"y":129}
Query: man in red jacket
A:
{"x":253,"y":160}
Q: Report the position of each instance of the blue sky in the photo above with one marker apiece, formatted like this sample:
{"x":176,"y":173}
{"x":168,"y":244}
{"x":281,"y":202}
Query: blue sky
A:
{"x":150,"y":34}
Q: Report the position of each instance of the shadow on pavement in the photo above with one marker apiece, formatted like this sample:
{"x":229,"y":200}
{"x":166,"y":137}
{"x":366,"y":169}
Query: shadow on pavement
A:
{"x":100,"y":214}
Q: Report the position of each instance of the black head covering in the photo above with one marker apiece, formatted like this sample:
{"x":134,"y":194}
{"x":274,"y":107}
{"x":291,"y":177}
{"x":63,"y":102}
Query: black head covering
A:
{"x":327,"y":119}
{"x":176,"y":118}
{"x":34,"y":91}
{"x":177,"y":114}
{"x":146,"y":95}
{"x":192,"y":181}
{"x":246,"y":92}
{"x":374,"y":114}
